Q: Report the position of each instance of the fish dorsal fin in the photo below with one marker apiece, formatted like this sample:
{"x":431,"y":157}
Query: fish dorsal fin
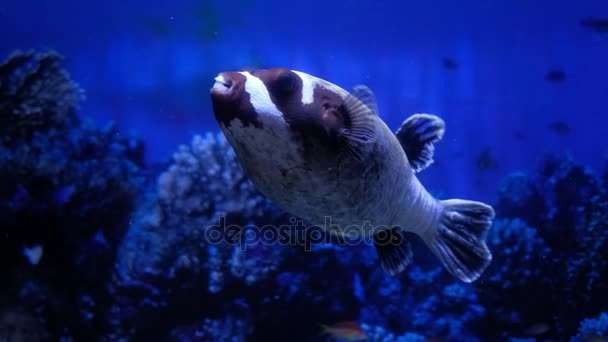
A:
{"x":366,"y":96}
{"x":417,"y":135}
{"x":358,"y":137}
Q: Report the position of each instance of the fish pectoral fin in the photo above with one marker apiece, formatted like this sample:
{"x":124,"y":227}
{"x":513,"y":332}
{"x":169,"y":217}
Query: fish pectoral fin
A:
{"x":358,"y":136}
{"x":394,"y":250}
{"x":366,"y":96}
{"x":417,"y":135}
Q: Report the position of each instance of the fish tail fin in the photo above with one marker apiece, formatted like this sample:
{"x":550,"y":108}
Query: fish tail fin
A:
{"x":459,"y":238}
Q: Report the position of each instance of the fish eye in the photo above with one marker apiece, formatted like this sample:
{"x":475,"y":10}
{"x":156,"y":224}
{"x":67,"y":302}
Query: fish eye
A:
{"x":285,"y":82}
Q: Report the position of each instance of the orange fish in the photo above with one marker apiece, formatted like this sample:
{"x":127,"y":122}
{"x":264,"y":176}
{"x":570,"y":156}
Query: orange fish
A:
{"x":347,"y":330}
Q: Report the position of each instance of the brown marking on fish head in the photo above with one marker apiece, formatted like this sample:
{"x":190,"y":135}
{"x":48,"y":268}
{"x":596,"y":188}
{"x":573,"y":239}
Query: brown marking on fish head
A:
{"x":312,"y":108}
{"x":230,"y":100}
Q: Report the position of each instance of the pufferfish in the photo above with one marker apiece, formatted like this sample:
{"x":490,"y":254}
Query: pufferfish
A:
{"x":318,"y":151}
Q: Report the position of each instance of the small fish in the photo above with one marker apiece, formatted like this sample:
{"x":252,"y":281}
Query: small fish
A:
{"x":33,"y":254}
{"x":449,"y":63}
{"x":318,"y":151}
{"x":559,"y":127}
{"x":347,"y":330}
{"x":596,"y":24}
{"x":485,"y":161}
{"x":555,"y":76}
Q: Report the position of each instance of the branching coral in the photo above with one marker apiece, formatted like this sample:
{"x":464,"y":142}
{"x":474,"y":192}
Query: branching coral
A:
{"x":208,"y":179}
{"x":518,"y":195}
{"x":592,"y":329}
{"x":551,"y":200}
{"x":379,"y":334}
{"x":227,"y":329}
{"x":18,"y":325}
{"x":235,"y":325}
{"x":423,"y":301}
{"x":586,"y":274}
{"x":519,"y":263}
{"x":567,"y":188}
{"x":66,"y":187}
{"x":556,"y":271}
{"x":449,"y":313}
{"x":518,"y":251}
{"x":183,"y":225}
{"x":577,"y":232}
{"x":191,"y":232}
{"x":35,"y":94}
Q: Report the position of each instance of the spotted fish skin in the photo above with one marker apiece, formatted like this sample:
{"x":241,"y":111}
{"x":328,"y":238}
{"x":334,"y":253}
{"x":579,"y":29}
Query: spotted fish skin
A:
{"x":321,"y":152}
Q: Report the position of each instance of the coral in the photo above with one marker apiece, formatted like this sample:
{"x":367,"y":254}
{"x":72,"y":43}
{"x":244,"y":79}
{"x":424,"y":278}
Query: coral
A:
{"x":556,"y":272}
{"x":62,"y":189}
{"x":517,"y":195}
{"x":190,"y":251}
{"x":519,"y":262}
{"x":593,"y":242}
{"x":586,"y":276}
{"x":313,"y":288}
{"x":379,"y":334}
{"x":236,"y":325}
{"x":207,"y":179}
{"x":203,"y":194}
{"x":35,"y":94}
{"x":449,"y":313}
{"x":382,"y":294}
{"x":514,"y":245}
{"x":591,"y":327}
{"x":226,"y":329}
{"x":567,"y":187}
{"x":550,"y":200}
{"x":578,"y":235}
{"x":18,"y":325}
{"x":67,"y":187}
{"x":191,"y":233}
{"x":424,"y":301}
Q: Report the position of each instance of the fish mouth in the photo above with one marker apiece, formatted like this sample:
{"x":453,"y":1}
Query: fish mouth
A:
{"x":222,"y":85}
{"x":230,"y":100}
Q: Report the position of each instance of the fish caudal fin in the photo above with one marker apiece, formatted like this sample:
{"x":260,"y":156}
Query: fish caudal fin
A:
{"x":459,"y":240}
{"x":394,"y":251}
